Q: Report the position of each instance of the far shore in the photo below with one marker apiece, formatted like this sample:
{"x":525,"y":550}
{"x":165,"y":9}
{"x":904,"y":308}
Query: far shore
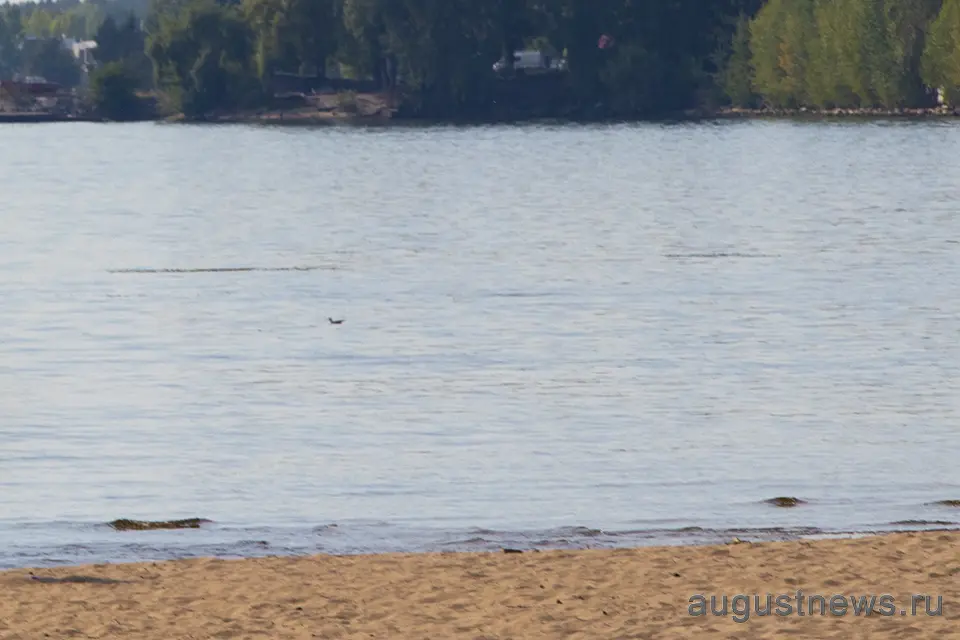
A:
{"x":383,"y":115}
{"x":920,"y":112}
{"x":902,"y":585}
{"x":374,"y":109}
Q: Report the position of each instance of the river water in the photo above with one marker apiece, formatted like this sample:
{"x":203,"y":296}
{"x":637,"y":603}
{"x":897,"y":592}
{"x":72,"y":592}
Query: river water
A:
{"x":553,"y":335}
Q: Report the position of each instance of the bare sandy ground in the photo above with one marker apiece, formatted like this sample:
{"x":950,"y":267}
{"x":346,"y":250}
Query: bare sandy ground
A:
{"x":323,"y":108}
{"x":589,"y":595}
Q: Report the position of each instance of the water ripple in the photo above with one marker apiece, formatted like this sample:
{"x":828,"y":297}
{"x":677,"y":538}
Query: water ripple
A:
{"x":636,"y":328}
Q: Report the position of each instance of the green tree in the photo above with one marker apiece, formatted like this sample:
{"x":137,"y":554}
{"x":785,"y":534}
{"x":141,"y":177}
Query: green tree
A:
{"x":109,"y":44}
{"x":47,"y":58}
{"x":113,"y":92}
{"x":444,"y":50}
{"x":9,"y":52}
{"x":202,"y":56}
{"x":877,"y":56}
{"x":124,"y":43}
{"x":765,"y":38}
{"x":737,"y":75}
{"x":293,"y":35}
{"x":941,"y":58}
{"x":633,"y":80}
{"x":912,"y":19}
{"x":840,"y":52}
{"x":365,"y":42}
{"x":79,"y":22}
{"x":830,"y":75}
{"x":39,"y":24}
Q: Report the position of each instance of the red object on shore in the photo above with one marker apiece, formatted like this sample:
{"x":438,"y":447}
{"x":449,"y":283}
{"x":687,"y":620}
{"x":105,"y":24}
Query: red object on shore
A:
{"x":606,"y":42}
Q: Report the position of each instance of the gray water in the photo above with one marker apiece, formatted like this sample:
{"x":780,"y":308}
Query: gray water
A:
{"x":553,"y":336}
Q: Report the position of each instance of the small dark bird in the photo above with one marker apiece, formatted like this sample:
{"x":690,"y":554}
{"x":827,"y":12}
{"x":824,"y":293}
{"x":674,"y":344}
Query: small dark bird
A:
{"x":332,"y":321}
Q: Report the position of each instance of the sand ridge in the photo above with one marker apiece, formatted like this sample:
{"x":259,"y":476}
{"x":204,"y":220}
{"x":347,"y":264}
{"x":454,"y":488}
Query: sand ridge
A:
{"x":593,"y":594}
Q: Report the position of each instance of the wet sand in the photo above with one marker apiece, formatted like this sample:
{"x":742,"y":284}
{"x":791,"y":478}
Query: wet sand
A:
{"x":594,"y":594}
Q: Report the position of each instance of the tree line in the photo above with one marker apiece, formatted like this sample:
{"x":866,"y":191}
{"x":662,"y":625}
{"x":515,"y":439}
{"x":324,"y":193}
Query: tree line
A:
{"x":624,"y":58}
{"x":886,"y":54}
{"x":440,"y":53}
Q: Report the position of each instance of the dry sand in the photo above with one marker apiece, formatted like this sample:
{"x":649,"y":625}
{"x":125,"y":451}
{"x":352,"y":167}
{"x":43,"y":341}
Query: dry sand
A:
{"x":631,"y":593}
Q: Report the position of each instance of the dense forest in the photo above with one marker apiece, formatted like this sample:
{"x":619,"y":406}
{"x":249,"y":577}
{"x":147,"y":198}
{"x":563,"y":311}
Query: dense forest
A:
{"x":623,"y":58}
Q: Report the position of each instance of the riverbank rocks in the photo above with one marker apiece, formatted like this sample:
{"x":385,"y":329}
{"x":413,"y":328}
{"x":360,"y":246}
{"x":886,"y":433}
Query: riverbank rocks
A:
{"x":144,"y":525}
{"x":841,"y":112}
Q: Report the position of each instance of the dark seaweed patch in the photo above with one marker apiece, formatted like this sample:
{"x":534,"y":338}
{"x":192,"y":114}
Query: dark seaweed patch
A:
{"x":144,"y":525}
{"x":76,"y":580}
{"x":785,"y":502}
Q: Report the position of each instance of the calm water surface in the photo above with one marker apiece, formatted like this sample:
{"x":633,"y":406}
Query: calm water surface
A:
{"x":553,"y":335}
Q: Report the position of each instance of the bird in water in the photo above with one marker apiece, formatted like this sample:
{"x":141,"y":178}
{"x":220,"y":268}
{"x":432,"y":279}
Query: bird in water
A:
{"x":332,"y":321}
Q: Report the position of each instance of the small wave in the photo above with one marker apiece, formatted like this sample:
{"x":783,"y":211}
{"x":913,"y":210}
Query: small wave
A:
{"x":351,"y":538}
{"x":701,"y":535}
{"x":577,"y":532}
{"x":945,"y":503}
{"x":468,"y":541}
{"x":792,"y":532}
{"x":253,"y":543}
{"x":719,"y":254}
{"x":521,"y":294}
{"x":224,"y":269}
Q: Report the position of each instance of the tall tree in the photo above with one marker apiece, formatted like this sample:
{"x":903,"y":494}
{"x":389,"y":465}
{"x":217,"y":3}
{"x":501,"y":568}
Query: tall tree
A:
{"x":293,"y":33}
{"x":202,"y":54}
{"x":47,"y":58}
{"x":124,"y":44}
{"x":9,"y":52}
{"x":737,"y":73}
{"x":941,"y":58}
{"x":113,"y":92}
{"x":366,"y":42}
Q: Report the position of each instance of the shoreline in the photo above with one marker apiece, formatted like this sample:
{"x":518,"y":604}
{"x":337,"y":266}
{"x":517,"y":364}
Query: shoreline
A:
{"x":42,"y":117}
{"x":803,"y":112}
{"x":608,"y":593}
{"x":122,"y":541}
{"x":310,"y":117}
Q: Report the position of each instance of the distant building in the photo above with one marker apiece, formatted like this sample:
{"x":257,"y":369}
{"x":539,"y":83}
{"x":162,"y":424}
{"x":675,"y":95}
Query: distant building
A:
{"x":82,"y":51}
{"x":29,"y":86}
{"x":27,"y":93}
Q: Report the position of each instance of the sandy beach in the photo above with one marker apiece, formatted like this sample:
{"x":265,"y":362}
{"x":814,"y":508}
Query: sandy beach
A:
{"x":626,"y":593}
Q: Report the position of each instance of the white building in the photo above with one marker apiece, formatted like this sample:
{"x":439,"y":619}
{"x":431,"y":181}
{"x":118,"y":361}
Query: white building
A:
{"x":82,"y":50}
